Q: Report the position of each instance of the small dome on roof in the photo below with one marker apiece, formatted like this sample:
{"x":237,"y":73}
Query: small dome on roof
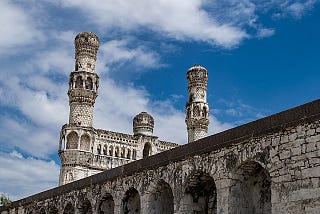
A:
{"x":143,"y":123}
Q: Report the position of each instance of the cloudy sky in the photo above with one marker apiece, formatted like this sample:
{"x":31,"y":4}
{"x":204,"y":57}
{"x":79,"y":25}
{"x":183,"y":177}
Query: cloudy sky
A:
{"x":262,"y":57}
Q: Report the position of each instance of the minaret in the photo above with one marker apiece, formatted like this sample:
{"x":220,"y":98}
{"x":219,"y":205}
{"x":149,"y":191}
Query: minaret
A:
{"x":197,"y":108}
{"x":84,"y":82}
{"x":77,"y":138}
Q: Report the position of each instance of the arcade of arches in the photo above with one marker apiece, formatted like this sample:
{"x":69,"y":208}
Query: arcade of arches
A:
{"x":273,"y":173}
{"x":249,"y":193}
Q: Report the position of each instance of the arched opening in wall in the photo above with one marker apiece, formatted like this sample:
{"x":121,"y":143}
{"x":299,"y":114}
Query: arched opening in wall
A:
{"x":196,"y":111}
{"x":116,"y":152}
{"x":204,"y":112}
{"x":85,"y":142}
{"x":86,"y":207}
{"x":200,"y":194}
{"x":106,"y":205}
{"x":147,"y":150}
{"x":251,"y":192}
{"x":129,"y":154}
{"x":99,"y":149}
{"x":62,"y":143}
{"x":53,"y":210}
{"x":105,"y":150}
{"x":111,"y":150}
{"x":131,"y":202}
{"x":69,"y":209}
{"x":79,"y":82}
{"x":72,"y":140}
{"x":134,"y":154}
{"x":160,"y":200}
{"x":123,"y":151}
{"x":89,"y":84}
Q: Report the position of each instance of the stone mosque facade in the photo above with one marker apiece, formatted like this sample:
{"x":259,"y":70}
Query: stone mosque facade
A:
{"x":271,"y":165}
{"x":84,"y":150}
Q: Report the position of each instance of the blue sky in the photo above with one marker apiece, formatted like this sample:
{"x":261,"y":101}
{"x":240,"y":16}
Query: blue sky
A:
{"x":262,"y":58}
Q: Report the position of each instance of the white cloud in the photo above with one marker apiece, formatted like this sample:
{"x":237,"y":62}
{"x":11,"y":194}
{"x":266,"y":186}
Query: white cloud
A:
{"x":298,"y":9}
{"x":294,"y":8}
{"x":24,"y":176}
{"x":17,"y":28}
{"x":31,"y":139}
{"x":177,"y":19}
{"x":265,"y":32}
{"x":117,"y":52}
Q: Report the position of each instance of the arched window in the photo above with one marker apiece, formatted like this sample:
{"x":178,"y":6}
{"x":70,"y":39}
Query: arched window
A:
{"x":72,"y":140}
{"x":129,"y":154}
{"x":134,"y":154}
{"x":123,"y":152}
{"x":196,"y":111}
{"x":111,"y":150}
{"x":89,"y":84}
{"x":79,"y":82}
{"x":85,"y":142}
{"x":204,"y":112}
{"x":105,"y":149}
{"x":147,"y":150}
{"x":116,"y":152}
{"x":99,"y":149}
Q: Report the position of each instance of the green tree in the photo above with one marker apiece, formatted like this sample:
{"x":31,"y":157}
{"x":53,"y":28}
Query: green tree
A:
{"x":4,"y":201}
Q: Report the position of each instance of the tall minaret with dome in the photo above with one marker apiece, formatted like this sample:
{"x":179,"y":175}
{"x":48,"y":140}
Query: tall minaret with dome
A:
{"x":85,"y":150}
{"x":197,"y":108}
{"x":84,"y":82}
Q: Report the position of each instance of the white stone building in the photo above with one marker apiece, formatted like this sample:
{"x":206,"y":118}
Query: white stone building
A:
{"x":85,"y":150}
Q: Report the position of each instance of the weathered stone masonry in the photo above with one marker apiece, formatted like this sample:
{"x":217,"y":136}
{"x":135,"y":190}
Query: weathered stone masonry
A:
{"x":271,"y":165}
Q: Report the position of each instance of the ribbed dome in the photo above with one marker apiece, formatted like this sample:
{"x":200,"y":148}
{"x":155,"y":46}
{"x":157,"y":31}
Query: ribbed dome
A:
{"x":143,"y":123}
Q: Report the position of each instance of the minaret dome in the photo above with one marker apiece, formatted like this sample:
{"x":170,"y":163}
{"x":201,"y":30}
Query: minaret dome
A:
{"x":197,"y":108}
{"x":143,"y":123}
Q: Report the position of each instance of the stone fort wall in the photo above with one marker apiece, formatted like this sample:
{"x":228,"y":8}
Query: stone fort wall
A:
{"x":271,"y":165}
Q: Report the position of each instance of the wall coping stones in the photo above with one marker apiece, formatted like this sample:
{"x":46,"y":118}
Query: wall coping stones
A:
{"x":302,"y":114}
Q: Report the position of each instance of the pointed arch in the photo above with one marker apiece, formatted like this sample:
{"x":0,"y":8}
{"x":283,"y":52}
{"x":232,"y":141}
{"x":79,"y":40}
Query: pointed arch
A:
{"x":105,"y":150}
{"x":99,"y":149}
{"x":129,"y":154}
{"x":111,"y":150}
{"x":131,"y":202}
{"x":134,"y":154}
{"x":106,"y":205}
{"x":123,"y":151}
{"x":85,"y":142}
{"x":89,"y":84}
{"x":147,"y":150}
{"x":196,"y":111}
{"x":251,"y":192}
{"x":200,"y":194}
{"x":72,"y":140}
{"x":79,"y":82}
{"x":116,"y":152}
{"x":160,"y":199}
